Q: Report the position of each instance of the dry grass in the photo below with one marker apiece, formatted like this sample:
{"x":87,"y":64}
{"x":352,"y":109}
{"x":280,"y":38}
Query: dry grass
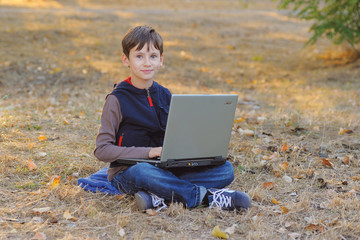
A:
{"x":58,"y":59}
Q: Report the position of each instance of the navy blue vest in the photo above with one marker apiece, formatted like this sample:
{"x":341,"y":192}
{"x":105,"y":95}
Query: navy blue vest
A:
{"x":144,"y":115}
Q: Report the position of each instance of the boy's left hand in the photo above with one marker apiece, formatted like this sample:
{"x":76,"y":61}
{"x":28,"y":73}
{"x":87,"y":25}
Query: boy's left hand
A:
{"x":155,"y":152}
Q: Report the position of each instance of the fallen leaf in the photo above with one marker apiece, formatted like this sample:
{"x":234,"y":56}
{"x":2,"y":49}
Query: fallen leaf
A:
{"x":315,"y":227}
{"x":230,"y":47}
{"x":31,"y":165}
{"x":299,"y":176}
{"x":277,"y":173}
{"x":356,"y":178}
{"x":55,"y":70}
{"x":36,"y":192}
{"x":238,"y":120}
{"x":230,"y":81}
{"x":309,"y":173}
{"x":257,"y":58}
{"x":284,"y":209}
{"x":42,"y":138}
{"x":66,"y":122}
{"x":342,"y":131}
{"x":284,"y":166}
{"x":352,"y":191}
{"x":268,"y":185}
{"x":346,"y":160}
{"x":70,"y":178}
{"x":121,"y":196}
{"x":67,"y":215}
{"x":284,"y":148}
{"x":216,"y":232}
{"x":204,"y":69}
{"x":30,"y":144}
{"x":54,"y":182}
{"x":327,"y":162}
{"x":274,"y":201}
{"x":151,"y":212}
{"x":273,"y":156}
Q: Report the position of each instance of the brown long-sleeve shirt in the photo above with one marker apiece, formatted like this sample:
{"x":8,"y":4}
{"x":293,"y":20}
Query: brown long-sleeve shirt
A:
{"x":106,"y":150}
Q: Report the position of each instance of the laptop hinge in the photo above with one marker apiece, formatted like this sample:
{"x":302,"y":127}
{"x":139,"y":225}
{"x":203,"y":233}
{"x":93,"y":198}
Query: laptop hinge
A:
{"x":192,"y":162}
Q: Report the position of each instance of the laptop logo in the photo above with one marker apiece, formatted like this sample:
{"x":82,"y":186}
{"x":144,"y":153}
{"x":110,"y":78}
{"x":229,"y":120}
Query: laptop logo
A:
{"x":228,"y":103}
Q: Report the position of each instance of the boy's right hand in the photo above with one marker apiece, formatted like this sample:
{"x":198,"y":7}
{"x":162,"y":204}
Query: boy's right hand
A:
{"x":155,"y":152}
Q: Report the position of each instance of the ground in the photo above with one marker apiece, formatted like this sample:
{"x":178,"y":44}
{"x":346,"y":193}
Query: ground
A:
{"x":295,"y":143}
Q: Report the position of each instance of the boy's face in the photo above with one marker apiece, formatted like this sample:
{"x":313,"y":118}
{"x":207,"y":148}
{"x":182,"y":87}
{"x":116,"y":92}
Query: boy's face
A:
{"x":143,"y":63}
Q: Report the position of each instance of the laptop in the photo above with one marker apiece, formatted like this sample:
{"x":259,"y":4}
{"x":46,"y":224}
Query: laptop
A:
{"x":198,"y":131}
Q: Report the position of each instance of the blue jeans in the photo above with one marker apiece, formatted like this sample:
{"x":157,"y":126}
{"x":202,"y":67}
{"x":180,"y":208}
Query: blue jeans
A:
{"x":186,"y":185}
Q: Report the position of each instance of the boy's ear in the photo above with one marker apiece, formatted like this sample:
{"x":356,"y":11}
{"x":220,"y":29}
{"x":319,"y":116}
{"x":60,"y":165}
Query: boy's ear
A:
{"x":161,"y":59}
{"x":125,"y":60}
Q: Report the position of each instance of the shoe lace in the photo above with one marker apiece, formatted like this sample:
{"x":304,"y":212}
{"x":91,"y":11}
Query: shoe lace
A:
{"x":157,"y":201}
{"x":220,"y":200}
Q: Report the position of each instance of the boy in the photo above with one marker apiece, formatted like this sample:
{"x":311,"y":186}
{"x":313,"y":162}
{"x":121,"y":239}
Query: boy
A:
{"x":133,"y":125}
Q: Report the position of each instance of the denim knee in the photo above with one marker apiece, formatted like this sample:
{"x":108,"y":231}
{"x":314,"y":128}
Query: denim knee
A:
{"x":227,"y":168}
{"x":131,"y":180}
{"x":139,"y":169}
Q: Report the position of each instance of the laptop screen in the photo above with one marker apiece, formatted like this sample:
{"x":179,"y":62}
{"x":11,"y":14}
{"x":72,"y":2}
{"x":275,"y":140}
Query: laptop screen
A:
{"x":199,"y":126}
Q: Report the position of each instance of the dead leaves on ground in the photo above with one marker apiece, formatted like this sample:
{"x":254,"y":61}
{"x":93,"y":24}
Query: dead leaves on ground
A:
{"x":284,"y":210}
{"x":151,"y":212}
{"x":42,"y":138}
{"x":268,"y":185}
{"x":68,"y":216}
{"x":216,"y":232}
{"x":54,"y":182}
{"x":274,"y":201}
{"x":327,"y":163}
{"x":343,"y":131}
{"x":315,"y":227}
{"x":31,"y":165}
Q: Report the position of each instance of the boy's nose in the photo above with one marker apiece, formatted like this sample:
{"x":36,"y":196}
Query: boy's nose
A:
{"x":147,"y":61}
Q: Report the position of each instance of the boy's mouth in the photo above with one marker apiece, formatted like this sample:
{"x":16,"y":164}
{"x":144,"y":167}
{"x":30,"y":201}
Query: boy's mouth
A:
{"x":146,"y":71}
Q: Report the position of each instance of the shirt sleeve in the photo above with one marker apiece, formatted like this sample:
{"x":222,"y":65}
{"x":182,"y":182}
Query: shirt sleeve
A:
{"x":105,"y":149}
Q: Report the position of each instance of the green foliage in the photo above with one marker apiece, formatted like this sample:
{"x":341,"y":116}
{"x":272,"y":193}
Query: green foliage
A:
{"x":339,"y":20}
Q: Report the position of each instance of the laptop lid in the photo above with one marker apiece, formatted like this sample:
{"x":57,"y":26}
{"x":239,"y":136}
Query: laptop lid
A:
{"x":199,"y":126}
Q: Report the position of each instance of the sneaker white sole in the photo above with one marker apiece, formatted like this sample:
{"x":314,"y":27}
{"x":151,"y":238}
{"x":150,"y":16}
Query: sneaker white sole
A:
{"x":140,"y":202}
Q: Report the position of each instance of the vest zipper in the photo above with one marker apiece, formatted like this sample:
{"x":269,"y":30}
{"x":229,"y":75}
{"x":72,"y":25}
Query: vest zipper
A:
{"x":149,"y":97}
{"x":120,"y":139}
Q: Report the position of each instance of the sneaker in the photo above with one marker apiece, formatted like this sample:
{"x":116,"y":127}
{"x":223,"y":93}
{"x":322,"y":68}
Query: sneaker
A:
{"x":146,"y":201}
{"x":228,"y":200}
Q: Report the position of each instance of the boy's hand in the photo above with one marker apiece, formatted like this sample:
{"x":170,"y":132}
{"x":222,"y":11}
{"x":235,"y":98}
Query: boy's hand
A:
{"x":155,"y":152}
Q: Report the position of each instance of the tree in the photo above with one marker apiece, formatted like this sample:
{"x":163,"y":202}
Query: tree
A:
{"x":339,"y":20}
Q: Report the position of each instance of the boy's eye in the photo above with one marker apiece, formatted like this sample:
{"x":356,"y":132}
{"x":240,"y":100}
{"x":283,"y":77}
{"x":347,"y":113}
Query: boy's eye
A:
{"x":138,"y":56}
{"x":153,"y":56}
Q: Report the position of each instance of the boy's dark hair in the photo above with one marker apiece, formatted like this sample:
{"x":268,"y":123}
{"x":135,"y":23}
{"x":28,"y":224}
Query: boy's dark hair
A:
{"x":139,"y":36}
